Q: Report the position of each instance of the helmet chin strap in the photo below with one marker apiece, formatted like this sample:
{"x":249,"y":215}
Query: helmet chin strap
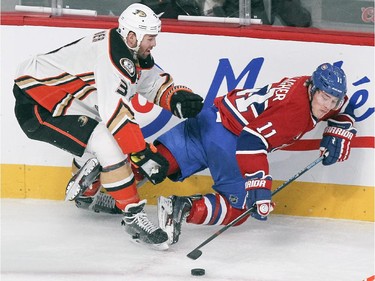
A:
{"x":135,"y":49}
{"x":311,"y":93}
{"x":310,"y":90}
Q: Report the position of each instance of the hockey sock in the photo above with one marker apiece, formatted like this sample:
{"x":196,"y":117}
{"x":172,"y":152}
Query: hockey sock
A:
{"x":213,"y":209}
{"x":92,"y":189}
{"x":124,"y":192}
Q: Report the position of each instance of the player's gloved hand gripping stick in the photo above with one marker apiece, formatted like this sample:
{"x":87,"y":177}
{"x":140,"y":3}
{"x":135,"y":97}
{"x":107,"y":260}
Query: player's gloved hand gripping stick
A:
{"x":336,"y":141}
{"x":196,"y":253}
{"x":181,"y":101}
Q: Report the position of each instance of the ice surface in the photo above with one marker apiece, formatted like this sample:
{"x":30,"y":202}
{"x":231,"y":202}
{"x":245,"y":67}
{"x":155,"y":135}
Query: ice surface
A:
{"x":53,"y":240}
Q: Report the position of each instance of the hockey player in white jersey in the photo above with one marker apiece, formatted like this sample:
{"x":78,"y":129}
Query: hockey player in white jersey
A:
{"x":77,"y":98}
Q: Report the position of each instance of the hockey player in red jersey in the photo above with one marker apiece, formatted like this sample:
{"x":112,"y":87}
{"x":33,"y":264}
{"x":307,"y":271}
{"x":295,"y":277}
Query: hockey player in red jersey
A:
{"x":234,"y":136}
{"x":77,"y":98}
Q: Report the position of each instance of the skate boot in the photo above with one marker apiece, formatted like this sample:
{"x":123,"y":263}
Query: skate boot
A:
{"x":83,"y":179}
{"x":99,"y":203}
{"x":172,"y":211}
{"x":141,"y":229}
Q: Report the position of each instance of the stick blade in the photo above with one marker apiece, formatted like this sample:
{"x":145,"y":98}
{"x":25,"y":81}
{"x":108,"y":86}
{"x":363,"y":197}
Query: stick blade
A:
{"x":195,"y":254}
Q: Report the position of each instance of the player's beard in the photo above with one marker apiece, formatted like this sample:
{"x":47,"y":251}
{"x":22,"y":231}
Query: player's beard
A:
{"x":144,"y":54}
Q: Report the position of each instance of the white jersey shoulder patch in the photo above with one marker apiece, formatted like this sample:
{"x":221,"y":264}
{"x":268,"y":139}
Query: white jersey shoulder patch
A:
{"x":128,"y":66}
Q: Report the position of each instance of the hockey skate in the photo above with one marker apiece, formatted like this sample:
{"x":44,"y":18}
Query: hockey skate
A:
{"x":172,"y":211}
{"x":99,"y":203}
{"x":141,"y":229}
{"x":82,"y":180}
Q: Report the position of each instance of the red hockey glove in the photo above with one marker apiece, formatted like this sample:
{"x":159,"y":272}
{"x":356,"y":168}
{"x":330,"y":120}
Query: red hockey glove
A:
{"x":258,"y":188}
{"x":181,"y":101}
{"x":150,"y":164}
{"x":336,"y":141}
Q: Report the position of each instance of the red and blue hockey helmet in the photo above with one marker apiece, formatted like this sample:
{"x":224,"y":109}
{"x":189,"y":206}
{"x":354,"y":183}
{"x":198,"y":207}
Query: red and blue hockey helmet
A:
{"x":330,"y":79}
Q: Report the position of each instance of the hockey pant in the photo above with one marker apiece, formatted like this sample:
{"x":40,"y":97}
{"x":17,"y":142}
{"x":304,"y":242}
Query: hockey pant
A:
{"x":79,"y":135}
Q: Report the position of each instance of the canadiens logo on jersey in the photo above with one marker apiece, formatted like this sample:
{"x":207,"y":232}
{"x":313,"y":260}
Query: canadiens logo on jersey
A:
{"x":128,"y":65}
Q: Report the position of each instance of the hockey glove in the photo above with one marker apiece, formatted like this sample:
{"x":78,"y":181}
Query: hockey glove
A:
{"x":336,"y":141}
{"x":185,"y":104}
{"x":150,"y":164}
{"x":181,"y":101}
{"x":258,"y":187}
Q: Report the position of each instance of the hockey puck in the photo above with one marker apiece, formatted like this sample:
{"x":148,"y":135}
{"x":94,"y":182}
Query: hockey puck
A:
{"x":198,"y":271}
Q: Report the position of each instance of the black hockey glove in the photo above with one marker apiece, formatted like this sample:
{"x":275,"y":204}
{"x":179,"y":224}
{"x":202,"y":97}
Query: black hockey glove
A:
{"x":150,"y":164}
{"x":184,"y":103}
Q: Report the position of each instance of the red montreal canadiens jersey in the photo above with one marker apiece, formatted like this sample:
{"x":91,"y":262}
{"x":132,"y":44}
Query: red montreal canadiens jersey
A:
{"x":267,"y":119}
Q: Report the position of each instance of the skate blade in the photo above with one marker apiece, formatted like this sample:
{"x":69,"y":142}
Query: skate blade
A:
{"x":158,"y":247}
{"x":74,"y":189}
{"x":165,"y":209}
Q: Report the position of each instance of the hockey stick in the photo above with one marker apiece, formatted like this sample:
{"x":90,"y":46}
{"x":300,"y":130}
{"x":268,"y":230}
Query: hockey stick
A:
{"x":142,"y":182}
{"x":196,"y":253}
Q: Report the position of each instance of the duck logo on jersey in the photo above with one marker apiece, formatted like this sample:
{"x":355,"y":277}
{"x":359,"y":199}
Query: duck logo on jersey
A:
{"x":128,"y":65}
{"x":82,"y":120}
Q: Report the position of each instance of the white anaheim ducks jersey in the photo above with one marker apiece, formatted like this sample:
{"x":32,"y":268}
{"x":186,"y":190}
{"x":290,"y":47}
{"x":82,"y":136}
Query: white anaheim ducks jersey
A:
{"x":94,"y":76}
